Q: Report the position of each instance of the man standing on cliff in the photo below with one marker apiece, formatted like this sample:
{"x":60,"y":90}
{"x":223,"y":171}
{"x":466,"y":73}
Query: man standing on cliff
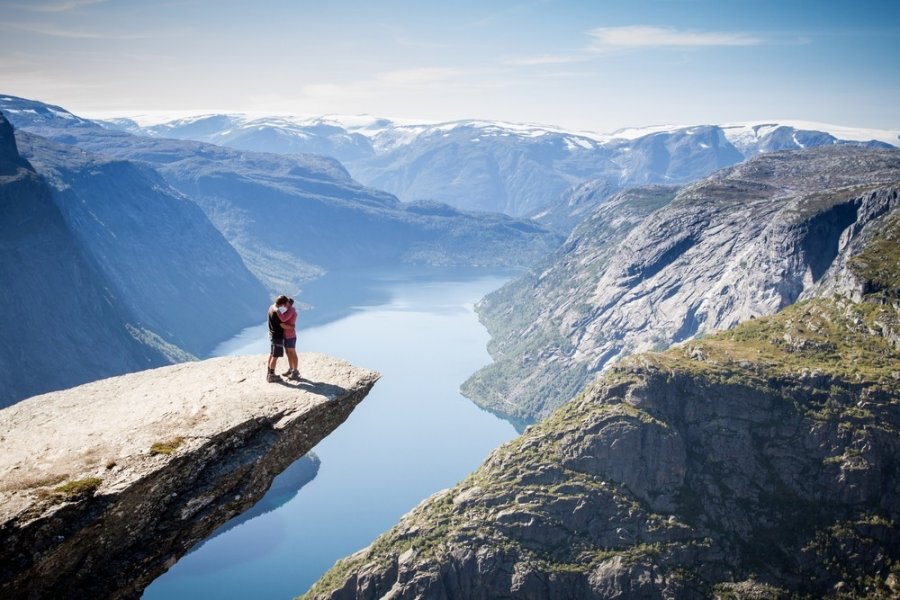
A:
{"x":276,"y":335}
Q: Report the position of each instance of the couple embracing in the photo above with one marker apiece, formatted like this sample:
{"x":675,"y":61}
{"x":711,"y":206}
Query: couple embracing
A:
{"x":283,"y":333}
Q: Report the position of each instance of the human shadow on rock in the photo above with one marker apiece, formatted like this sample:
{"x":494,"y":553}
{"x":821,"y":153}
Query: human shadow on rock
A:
{"x":319,"y":388}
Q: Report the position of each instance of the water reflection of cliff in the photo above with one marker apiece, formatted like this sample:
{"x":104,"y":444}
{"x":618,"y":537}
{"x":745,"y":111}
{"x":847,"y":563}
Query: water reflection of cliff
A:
{"x":283,"y":489}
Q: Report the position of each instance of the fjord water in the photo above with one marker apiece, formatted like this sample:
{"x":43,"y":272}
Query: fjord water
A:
{"x":412,"y":436}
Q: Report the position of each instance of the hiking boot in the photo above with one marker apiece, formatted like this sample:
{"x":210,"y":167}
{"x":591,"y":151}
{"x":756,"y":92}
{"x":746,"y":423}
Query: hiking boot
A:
{"x":287,"y":373}
{"x":295,"y":375}
{"x":272,"y":378}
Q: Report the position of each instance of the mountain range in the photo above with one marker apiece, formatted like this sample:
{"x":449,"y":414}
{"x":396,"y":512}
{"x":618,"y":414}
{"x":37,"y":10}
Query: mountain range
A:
{"x":521,"y":170}
{"x":168,"y":265}
{"x":756,"y":461}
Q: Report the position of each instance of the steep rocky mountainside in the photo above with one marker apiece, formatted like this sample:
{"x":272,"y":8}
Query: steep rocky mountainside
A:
{"x":290,"y":217}
{"x":135,"y":470}
{"x":760,"y":462}
{"x":163,"y":259}
{"x":742,"y":243}
{"x":62,"y":325}
{"x":518,"y":169}
{"x":576,"y":204}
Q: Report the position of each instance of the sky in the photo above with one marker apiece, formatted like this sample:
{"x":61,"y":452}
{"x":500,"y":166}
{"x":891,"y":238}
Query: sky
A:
{"x":595,"y":65}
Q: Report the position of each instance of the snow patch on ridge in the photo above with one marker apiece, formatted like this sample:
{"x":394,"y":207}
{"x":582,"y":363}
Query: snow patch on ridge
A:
{"x":743,"y":134}
{"x":390,"y":133}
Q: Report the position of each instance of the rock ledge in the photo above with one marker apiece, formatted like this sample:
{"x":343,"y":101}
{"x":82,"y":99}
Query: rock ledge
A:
{"x":104,"y":486}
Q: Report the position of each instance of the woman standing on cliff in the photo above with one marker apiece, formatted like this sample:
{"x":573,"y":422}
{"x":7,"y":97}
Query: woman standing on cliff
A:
{"x":276,"y":336}
{"x":288,"y":320}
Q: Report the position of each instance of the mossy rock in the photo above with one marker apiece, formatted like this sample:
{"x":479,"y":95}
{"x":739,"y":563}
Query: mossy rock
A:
{"x":167,"y":447}
{"x":78,"y":489}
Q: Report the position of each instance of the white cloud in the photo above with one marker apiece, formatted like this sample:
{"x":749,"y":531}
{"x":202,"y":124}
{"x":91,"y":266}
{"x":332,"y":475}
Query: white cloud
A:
{"x":420,"y":76}
{"x":57,"y":7}
{"x":389,"y":82}
{"x":605,"y":39}
{"x":81,"y":34}
{"x":645,"y":36}
{"x":544,"y":59}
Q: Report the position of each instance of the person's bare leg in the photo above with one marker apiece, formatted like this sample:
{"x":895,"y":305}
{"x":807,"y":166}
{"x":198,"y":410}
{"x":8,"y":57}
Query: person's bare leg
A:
{"x":292,"y":363}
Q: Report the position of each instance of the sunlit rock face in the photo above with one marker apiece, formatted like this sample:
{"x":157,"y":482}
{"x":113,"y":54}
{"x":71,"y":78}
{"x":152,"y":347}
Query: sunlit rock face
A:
{"x":649,"y":269}
{"x":106,"y":485}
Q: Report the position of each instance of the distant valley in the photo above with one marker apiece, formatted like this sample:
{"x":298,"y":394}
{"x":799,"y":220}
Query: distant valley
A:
{"x":192,"y":237}
{"x":210,"y":214}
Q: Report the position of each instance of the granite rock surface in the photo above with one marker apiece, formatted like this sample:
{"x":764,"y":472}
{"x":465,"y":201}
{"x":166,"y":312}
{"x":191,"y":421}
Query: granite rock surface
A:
{"x":106,"y":485}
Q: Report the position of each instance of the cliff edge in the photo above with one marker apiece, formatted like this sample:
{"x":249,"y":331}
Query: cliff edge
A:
{"x":104,"y":486}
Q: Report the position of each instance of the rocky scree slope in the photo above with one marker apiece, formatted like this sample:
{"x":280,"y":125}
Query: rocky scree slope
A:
{"x":644,"y":272}
{"x":760,"y":462}
{"x":106,"y":485}
{"x":52,"y":292}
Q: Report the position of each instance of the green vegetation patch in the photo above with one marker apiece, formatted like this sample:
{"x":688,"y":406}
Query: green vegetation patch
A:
{"x":167,"y":447}
{"x":817,"y":341}
{"x":878,"y":265}
{"x":172,"y":352}
{"x":851,"y":551}
{"x":72,"y":491}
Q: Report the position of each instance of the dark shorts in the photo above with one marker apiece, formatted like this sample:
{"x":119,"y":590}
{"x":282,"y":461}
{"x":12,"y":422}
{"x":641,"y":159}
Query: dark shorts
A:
{"x":277,"y":348}
{"x":290,"y":342}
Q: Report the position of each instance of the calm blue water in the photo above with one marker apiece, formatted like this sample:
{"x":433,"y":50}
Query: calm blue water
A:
{"x":412,"y":436}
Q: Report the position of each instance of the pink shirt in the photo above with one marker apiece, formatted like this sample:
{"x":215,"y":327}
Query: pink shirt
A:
{"x":289,"y":317}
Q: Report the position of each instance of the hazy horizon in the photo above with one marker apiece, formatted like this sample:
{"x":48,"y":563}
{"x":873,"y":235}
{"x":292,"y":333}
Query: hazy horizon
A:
{"x":594,"y":66}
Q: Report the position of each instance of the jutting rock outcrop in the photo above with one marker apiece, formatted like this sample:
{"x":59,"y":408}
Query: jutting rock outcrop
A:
{"x":759,"y":462}
{"x":106,"y":485}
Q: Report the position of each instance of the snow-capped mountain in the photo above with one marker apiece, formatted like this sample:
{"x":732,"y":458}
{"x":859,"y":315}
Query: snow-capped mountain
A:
{"x":519,"y":169}
{"x":283,"y":135}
